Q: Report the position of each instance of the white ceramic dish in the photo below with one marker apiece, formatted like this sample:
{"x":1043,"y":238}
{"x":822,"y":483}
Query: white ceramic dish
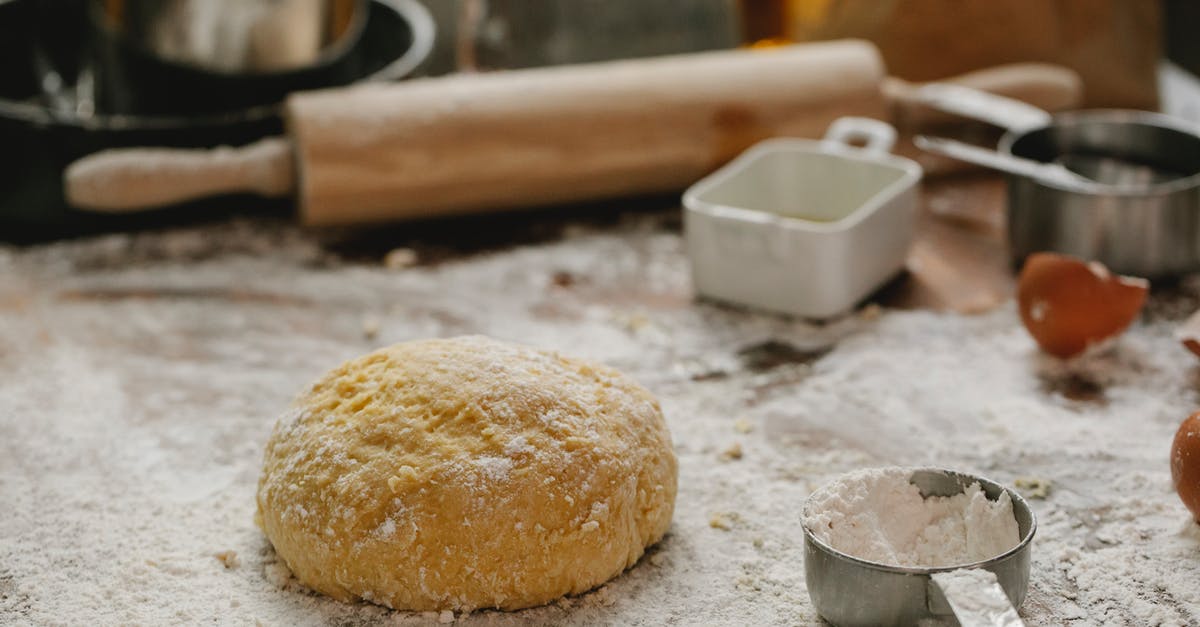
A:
{"x":804,"y":227}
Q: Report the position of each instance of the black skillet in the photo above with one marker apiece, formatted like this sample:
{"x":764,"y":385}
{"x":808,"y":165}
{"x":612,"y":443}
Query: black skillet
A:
{"x":38,"y":139}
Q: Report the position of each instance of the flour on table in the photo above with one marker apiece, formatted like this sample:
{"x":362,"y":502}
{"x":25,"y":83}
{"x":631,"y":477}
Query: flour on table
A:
{"x":142,"y":375}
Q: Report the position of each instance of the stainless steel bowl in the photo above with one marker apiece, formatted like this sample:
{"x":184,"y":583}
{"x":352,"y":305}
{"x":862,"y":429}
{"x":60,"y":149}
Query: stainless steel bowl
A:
{"x":176,"y":110}
{"x":1148,"y":227}
{"x":238,"y":36}
{"x":190,"y":57}
{"x":848,"y":591}
{"x":1140,"y":214}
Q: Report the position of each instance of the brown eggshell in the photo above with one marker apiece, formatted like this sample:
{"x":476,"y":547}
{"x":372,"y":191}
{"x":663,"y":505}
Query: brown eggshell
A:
{"x":1185,"y":463}
{"x":1068,"y":304}
{"x":1189,"y":333}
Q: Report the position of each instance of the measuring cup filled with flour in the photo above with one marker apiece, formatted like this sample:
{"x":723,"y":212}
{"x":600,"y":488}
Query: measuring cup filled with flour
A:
{"x":902,"y":546}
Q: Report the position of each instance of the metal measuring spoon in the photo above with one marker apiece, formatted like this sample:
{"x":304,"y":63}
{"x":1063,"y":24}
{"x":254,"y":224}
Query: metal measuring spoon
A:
{"x":1048,"y":172}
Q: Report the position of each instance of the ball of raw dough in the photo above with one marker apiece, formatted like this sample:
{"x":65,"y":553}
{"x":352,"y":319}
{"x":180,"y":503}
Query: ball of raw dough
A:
{"x":466,"y":473}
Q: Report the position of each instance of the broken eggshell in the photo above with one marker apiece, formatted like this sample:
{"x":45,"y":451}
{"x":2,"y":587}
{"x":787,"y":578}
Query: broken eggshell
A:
{"x":1068,"y":304}
{"x":1188,"y":333}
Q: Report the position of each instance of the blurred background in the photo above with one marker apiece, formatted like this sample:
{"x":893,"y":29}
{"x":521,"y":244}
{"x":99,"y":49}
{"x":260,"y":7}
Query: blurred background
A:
{"x":81,"y":76}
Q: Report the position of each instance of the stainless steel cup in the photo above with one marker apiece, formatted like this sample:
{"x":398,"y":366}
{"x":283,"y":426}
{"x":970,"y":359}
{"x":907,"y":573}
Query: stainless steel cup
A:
{"x":1150,"y":229}
{"x":1141,"y":216}
{"x":848,"y":591}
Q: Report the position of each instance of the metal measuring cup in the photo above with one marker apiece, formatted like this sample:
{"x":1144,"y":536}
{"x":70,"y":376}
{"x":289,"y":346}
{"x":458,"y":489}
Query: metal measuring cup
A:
{"x":848,"y":591}
{"x":1137,"y":209}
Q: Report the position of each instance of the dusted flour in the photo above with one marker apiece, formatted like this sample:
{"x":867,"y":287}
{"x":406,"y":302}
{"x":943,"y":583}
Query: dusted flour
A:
{"x":142,"y":375}
{"x":877,"y":515}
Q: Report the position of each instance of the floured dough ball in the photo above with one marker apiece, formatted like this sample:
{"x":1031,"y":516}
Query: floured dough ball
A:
{"x":466,"y":473}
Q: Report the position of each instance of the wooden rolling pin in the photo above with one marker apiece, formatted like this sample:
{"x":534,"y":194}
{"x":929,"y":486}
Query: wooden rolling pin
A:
{"x":511,"y":139}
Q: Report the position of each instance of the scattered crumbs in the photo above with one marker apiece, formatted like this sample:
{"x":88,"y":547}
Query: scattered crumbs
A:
{"x":370,"y":327}
{"x":603,"y":595}
{"x":1033,"y":487}
{"x":743,"y":425}
{"x":637,"y":322}
{"x":734,"y":452}
{"x":562,"y":278}
{"x":278,"y":574}
{"x":871,"y":311}
{"x":757,"y":542}
{"x":400,"y":258}
{"x":722,"y":520}
{"x":446,"y":617}
{"x":228,"y":558}
{"x":1068,"y":555}
{"x":746,"y":582}
{"x":632,"y":321}
{"x":658,"y":559}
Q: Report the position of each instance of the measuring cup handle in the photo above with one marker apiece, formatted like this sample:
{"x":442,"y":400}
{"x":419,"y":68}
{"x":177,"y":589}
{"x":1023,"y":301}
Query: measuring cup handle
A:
{"x":973,"y":596}
{"x":877,"y":137}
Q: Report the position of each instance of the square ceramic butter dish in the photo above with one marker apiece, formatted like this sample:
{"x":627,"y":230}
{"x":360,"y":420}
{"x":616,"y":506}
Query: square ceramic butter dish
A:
{"x":804,"y":227}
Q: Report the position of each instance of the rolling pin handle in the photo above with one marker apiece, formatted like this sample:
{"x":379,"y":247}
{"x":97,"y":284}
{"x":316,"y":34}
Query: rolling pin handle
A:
{"x":124,"y":180}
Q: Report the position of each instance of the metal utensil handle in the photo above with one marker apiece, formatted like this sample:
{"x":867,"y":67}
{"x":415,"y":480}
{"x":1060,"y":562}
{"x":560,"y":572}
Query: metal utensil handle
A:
{"x":1008,"y":113}
{"x":877,"y":137}
{"x":962,"y":151}
{"x":974,"y":597}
